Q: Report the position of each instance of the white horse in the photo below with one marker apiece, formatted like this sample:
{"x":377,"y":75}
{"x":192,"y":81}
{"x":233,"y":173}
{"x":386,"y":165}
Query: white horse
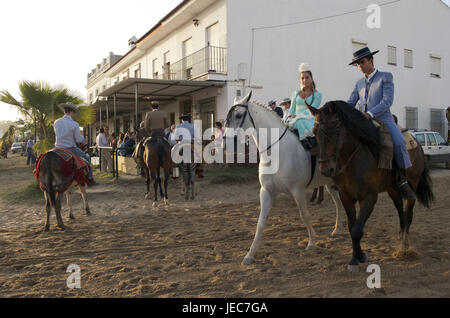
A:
{"x":293,"y":175}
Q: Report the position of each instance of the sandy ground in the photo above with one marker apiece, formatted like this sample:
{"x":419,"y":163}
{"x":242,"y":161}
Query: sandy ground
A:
{"x":129,"y":249}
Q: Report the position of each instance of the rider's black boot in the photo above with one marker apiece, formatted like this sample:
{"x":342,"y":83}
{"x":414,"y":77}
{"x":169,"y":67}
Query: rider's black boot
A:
{"x":405,"y":188}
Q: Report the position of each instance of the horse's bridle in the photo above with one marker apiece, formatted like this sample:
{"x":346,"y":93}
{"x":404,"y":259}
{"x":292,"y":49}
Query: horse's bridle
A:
{"x":325,"y":133}
{"x":247,"y":111}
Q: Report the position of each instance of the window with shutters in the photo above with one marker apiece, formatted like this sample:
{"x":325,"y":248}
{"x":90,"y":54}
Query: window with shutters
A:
{"x":437,"y":121}
{"x":408,"y":58}
{"x":358,"y":45}
{"x":435,"y":66}
{"x":392,"y":55}
{"x":412,"y":118}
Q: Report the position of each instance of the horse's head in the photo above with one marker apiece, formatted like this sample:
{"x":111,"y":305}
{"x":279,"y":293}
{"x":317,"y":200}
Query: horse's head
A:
{"x":238,"y":116}
{"x":328,"y":130}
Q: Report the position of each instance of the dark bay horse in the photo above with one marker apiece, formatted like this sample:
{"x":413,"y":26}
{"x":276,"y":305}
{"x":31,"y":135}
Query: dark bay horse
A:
{"x":54,"y":182}
{"x":156,"y":155}
{"x":349,"y":147}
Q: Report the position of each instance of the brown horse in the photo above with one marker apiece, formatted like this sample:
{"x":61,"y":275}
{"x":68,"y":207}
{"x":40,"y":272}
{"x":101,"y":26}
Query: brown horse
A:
{"x":156,"y":155}
{"x":53,"y":182}
{"x":349,"y":147}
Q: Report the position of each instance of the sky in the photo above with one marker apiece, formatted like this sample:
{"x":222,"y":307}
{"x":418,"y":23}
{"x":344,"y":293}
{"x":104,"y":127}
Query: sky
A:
{"x":61,"y":41}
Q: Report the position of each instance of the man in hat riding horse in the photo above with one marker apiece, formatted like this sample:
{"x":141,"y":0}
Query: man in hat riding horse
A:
{"x":375,"y":91}
{"x":156,"y":121}
{"x":68,"y":135}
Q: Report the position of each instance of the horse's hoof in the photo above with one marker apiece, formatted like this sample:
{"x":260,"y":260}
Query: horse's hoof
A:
{"x":71,"y":217}
{"x":311,"y":247}
{"x":88,"y":213}
{"x":247,"y":261}
{"x":335,"y":232}
{"x":155,"y":204}
{"x":147,"y":196}
{"x":192,"y":198}
{"x":364,"y":257}
{"x":61,"y":228}
{"x":47,"y":228}
{"x":353,"y":268}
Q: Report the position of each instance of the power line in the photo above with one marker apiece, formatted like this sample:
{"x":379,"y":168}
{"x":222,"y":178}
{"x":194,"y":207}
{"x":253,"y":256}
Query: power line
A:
{"x":305,"y":22}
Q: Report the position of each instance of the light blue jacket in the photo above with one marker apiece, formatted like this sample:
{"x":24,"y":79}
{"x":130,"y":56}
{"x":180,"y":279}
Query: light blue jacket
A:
{"x":380,"y":97}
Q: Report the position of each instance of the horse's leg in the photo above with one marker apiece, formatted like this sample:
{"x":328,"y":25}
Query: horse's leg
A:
{"x":155,"y":187}
{"x":85,"y":201}
{"x":48,"y":209}
{"x":357,"y":231}
{"x":58,"y":212}
{"x":265,"y":198}
{"x":161,"y":193}
{"x":300,"y":199}
{"x":69,"y":203}
{"x":350,"y":210}
{"x":166,"y":184}
{"x":191,"y":180}
{"x":186,"y":180}
{"x":337,"y":203}
{"x":320,"y":199}
{"x":147,"y":178}
{"x":408,"y":220}
{"x":398,"y":202}
{"x":313,"y":196}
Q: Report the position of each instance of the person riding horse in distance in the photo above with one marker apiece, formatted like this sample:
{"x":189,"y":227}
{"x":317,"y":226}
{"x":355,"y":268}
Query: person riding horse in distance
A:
{"x":156,"y":121}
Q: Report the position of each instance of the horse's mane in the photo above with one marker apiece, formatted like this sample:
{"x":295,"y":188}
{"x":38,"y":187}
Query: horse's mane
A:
{"x":357,"y":124}
{"x":269,"y":111}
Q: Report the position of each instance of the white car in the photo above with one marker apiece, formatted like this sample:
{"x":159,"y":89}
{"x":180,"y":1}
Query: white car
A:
{"x":17,"y":147}
{"x":436,"y":149}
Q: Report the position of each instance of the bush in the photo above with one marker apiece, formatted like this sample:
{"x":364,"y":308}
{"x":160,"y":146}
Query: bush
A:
{"x":43,"y":145}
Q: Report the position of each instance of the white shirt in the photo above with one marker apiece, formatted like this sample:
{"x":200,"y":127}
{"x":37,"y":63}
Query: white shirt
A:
{"x":67,"y":133}
{"x":102,"y":141}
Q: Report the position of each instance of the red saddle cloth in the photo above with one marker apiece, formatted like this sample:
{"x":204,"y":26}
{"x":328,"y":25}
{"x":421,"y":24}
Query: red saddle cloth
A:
{"x":71,"y":164}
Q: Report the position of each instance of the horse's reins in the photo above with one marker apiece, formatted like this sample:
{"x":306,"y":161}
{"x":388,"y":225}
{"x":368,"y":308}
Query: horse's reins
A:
{"x":247,"y":111}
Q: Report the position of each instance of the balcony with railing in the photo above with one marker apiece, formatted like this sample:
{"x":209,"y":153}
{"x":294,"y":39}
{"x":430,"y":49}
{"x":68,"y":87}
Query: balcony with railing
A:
{"x":209,"y":60}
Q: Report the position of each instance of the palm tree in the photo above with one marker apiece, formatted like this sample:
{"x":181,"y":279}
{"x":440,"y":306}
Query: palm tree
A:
{"x":39,"y":103}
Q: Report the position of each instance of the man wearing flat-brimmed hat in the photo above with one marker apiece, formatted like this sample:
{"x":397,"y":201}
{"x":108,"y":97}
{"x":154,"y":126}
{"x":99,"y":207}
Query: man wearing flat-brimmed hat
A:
{"x":375,"y":91}
{"x":275,"y":108}
{"x":68,"y":134}
{"x":286,"y":105}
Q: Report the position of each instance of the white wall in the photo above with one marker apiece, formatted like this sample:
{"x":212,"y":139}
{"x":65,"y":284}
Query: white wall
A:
{"x":414,"y":24}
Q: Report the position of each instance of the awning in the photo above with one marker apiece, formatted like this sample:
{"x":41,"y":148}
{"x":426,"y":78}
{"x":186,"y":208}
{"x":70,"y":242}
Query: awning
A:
{"x":128,"y":93}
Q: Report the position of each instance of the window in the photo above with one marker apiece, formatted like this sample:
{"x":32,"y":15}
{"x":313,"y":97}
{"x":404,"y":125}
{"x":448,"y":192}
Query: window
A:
{"x":439,"y":139}
{"x":421,"y":139}
{"x":431,"y":140}
{"x":155,"y":68}
{"x":437,"y":121}
{"x":392,"y":55}
{"x":358,"y":45}
{"x":166,"y":66}
{"x":411,"y":118}
{"x":212,"y":35}
{"x":137,"y":71}
{"x":408,"y":58}
{"x":435,"y":66}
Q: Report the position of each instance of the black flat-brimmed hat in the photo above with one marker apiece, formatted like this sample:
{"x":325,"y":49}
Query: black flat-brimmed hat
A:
{"x":185,"y":116}
{"x":359,"y":55}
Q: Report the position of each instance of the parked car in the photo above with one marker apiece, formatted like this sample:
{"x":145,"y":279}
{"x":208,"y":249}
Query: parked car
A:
{"x":436,"y":149}
{"x":17,"y":147}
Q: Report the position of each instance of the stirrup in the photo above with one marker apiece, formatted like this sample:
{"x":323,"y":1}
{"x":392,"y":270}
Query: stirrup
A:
{"x":406,"y":191}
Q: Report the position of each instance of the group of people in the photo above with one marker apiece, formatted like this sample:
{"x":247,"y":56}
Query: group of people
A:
{"x":375,"y":92}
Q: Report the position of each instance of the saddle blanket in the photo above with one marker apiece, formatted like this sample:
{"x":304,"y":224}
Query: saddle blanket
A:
{"x":76,"y":167}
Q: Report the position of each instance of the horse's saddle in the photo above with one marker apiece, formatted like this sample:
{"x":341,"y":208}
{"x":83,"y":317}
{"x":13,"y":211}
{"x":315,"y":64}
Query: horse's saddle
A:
{"x":411,"y":142}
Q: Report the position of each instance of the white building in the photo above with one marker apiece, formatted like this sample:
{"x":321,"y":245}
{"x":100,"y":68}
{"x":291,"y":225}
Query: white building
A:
{"x":205,"y":53}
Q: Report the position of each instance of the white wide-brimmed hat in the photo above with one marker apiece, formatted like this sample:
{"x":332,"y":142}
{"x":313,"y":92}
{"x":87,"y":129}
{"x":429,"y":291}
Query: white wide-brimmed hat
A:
{"x":304,"y":67}
{"x":69,"y":105}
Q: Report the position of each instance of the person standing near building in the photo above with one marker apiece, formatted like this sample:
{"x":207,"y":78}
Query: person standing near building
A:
{"x":376,"y":93}
{"x":31,"y":158}
{"x":286,"y":105}
{"x":102,"y":142}
{"x":275,"y":108}
{"x":186,"y":132}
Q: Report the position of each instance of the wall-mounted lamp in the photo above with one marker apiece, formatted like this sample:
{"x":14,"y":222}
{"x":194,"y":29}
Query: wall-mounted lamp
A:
{"x":196,"y":22}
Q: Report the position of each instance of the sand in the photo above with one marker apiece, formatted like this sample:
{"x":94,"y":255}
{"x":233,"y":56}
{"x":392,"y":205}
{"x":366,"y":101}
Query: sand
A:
{"x":194,"y":249}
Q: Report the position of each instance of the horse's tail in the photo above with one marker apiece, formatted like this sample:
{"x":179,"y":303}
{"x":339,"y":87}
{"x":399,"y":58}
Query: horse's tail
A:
{"x":424,"y":191}
{"x":50,"y":188}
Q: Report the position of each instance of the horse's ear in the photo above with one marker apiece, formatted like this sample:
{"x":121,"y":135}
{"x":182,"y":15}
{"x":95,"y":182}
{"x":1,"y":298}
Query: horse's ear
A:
{"x":248,"y":97}
{"x":332,"y":108}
